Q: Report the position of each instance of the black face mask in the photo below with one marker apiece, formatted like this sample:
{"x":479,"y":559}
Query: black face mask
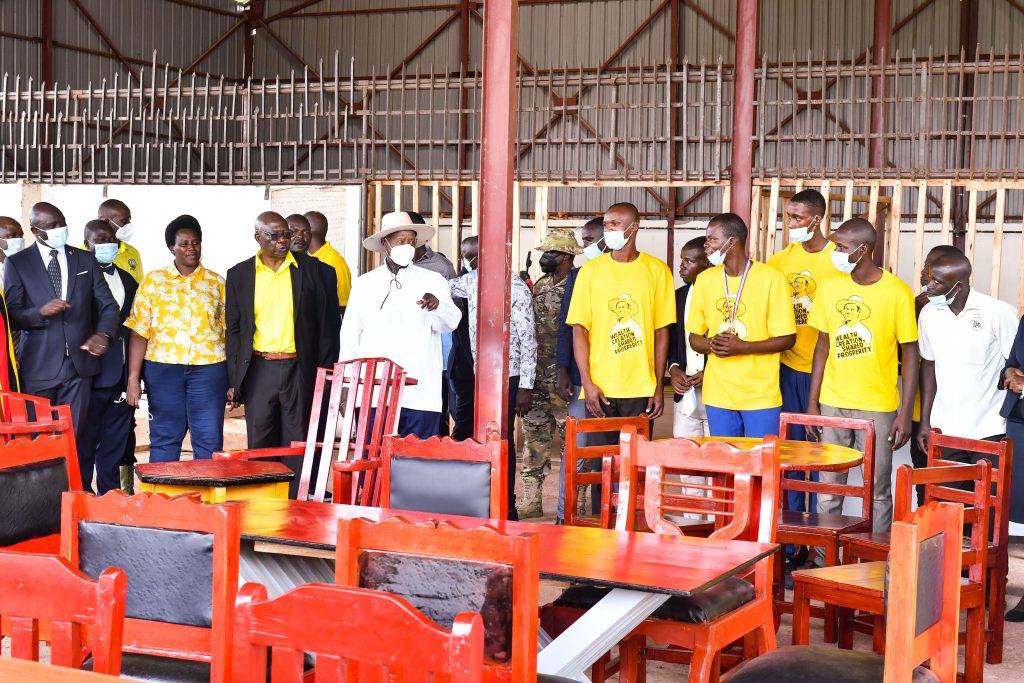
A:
{"x":548,"y":263}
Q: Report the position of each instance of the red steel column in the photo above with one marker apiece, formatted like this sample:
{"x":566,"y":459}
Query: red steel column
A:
{"x":747,"y":14}
{"x":501,"y":24}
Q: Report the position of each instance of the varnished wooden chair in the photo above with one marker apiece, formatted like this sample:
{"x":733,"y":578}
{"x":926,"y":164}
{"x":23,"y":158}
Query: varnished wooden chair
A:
{"x":79,"y":614}
{"x":405,"y":645}
{"x":861,"y":586}
{"x":875,"y":546}
{"x":923,"y":607}
{"x":742,"y":500}
{"x":181,"y":559}
{"x":820,"y":530}
{"x":442,"y":571}
{"x":446,"y":477}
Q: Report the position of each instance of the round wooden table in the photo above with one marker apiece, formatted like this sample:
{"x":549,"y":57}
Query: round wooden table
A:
{"x":803,"y":456}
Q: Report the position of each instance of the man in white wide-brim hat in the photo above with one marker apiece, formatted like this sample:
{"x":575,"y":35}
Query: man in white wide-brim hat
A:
{"x":399,"y":311}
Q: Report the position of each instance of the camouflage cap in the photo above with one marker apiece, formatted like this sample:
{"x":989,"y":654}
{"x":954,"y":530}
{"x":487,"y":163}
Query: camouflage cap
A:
{"x":561,"y":239}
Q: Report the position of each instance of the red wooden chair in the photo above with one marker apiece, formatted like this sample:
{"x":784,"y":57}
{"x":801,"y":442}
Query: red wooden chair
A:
{"x":405,"y":645}
{"x":606,"y":472}
{"x":742,"y":500}
{"x":38,"y":463}
{"x":923,"y":616}
{"x":875,"y":546}
{"x":861,"y":586}
{"x":447,"y":477}
{"x":824,"y":530}
{"x":443,"y":571}
{"x":181,"y":558}
{"x":75,"y":610}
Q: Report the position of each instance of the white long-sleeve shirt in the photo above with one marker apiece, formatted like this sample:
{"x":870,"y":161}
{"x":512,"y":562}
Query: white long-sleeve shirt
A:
{"x":384,"y":320}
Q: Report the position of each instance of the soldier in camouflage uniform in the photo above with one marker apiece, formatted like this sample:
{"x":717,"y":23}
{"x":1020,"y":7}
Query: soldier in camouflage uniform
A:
{"x":548,"y":409}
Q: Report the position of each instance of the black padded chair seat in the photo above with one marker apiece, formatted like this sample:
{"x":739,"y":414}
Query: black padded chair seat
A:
{"x":816,"y":522}
{"x":160,"y":669}
{"x":701,"y":608}
{"x":812,"y":663}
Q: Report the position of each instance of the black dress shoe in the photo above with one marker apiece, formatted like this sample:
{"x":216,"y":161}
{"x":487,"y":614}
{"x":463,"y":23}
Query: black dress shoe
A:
{"x":1017,"y":612}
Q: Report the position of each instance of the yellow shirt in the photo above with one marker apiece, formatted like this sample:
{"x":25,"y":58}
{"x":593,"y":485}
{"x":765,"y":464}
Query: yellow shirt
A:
{"x":748,"y":382}
{"x":275,"y":321}
{"x":803,"y":271}
{"x":331,"y":257}
{"x":865,"y":327}
{"x":621,"y":305}
{"x":181,"y":316}
{"x":128,"y":259}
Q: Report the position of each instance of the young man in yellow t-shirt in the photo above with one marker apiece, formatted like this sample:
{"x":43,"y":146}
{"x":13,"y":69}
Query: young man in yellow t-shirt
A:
{"x":865,"y":318}
{"x":742,"y":318}
{"x":622,"y":305}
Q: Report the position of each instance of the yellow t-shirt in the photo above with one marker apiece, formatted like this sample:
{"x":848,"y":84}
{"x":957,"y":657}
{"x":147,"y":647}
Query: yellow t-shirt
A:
{"x":275,"y":322}
{"x":749,"y":382}
{"x":803,"y":271}
{"x":621,"y":305}
{"x":331,"y":257}
{"x":865,"y":325}
{"x":129,"y":260}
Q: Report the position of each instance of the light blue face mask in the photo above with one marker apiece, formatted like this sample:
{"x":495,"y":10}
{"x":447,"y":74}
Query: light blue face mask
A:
{"x":842,"y":262}
{"x":593,"y":250}
{"x":105,"y":253}
{"x":717,"y":257}
{"x":944,"y":300}
{"x":56,"y":237}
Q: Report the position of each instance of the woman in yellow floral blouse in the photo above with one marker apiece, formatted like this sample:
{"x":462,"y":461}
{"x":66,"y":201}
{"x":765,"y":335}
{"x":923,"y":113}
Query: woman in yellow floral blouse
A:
{"x":177,"y":346}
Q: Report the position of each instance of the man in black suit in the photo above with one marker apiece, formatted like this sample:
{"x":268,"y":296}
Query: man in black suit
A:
{"x":686,"y":366}
{"x":58,"y":297}
{"x":302,"y":234}
{"x":278,"y":333}
{"x":108,"y":418}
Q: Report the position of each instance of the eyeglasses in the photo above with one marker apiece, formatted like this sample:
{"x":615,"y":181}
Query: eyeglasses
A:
{"x":277,"y":236}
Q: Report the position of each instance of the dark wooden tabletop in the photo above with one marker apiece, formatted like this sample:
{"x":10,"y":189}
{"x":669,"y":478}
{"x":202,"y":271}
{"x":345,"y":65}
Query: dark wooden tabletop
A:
{"x":213,"y":472}
{"x":642,"y":561}
{"x":805,"y":456}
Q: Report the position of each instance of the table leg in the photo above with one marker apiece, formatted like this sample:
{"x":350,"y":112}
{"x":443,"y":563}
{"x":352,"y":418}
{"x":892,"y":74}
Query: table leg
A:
{"x":801,"y":614}
{"x":596,"y":632}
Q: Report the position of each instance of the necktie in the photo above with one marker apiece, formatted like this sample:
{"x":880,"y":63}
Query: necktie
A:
{"x":54,"y":269}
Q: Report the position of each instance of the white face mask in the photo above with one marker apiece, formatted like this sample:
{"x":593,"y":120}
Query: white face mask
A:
{"x":842,"y":262}
{"x":802,"y":234}
{"x":616,"y":239}
{"x":944,"y":300}
{"x":717,"y":257}
{"x":14,"y":245}
{"x":593,"y":250}
{"x":467,"y":264}
{"x":56,"y":237}
{"x":125,"y":232}
{"x":402,"y":255}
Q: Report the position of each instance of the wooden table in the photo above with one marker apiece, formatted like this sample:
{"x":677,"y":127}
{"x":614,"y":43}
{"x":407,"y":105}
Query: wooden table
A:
{"x":802,"y":456}
{"x":644,"y":570}
{"x":216,"y":481}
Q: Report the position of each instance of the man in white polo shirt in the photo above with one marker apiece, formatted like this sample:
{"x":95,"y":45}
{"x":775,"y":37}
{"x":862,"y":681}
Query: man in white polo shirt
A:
{"x":965,"y":339}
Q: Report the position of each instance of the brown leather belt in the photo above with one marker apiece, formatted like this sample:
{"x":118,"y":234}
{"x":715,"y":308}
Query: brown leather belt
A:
{"x":275,"y":355}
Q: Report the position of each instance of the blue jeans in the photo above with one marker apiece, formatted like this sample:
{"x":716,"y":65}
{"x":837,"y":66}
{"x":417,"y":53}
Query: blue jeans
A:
{"x":752,"y":423}
{"x":185,"y":398}
{"x":421,"y":423}
{"x":796,"y":389}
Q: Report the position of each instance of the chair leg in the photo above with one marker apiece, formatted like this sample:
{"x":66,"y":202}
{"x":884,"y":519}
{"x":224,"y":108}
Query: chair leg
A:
{"x":878,"y":634}
{"x":844,"y":617}
{"x":702,"y":662}
{"x":974,"y":648}
{"x":996,"y":613}
{"x":831,"y":560}
{"x":801,"y":614}
{"x":629,"y":660}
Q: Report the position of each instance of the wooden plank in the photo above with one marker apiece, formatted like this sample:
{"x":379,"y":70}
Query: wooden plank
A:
{"x":947,"y":207}
{"x":726,"y":198}
{"x":848,"y":202}
{"x":773,"y":220}
{"x":398,"y":196}
{"x":755,"y":224}
{"x":517,"y":228}
{"x":540,"y":215}
{"x":416,"y":197}
{"x":997,"y":241}
{"x":378,"y":213}
{"x":972,"y":223}
{"x":474,"y":217}
{"x":799,"y":183}
{"x":922,"y":212}
{"x":435,"y":206}
{"x":895,"y":218}
{"x":456,"y":236}
{"x":873,"y":203}
{"x":826,"y":220}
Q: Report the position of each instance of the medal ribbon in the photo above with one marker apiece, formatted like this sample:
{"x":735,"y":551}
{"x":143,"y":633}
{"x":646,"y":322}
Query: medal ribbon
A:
{"x":734,"y":309}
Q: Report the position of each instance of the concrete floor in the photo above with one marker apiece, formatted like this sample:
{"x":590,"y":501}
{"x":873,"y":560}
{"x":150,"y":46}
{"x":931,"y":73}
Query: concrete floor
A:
{"x":1010,"y":670}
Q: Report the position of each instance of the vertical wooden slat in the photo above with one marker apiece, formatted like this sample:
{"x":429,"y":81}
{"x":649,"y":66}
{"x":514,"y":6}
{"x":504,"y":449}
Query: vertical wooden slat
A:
{"x":773,"y":219}
{"x":848,"y":201}
{"x":398,"y":195}
{"x":922,"y":211}
{"x":895,"y":219}
{"x":997,"y":241}
{"x":540,"y":225}
{"x":873,"y":202}
{"x":517,"y":228}
{"x":474,"y":202}
{"x":435,"y":208}
{"x":826,"y":220}
{"x":947,"y":207}
{"x":755,"y":223}
{"x":726,"y":198}
{"x":416,"y":197}
{"x":456,"y":236}
{"x":972,"y":222}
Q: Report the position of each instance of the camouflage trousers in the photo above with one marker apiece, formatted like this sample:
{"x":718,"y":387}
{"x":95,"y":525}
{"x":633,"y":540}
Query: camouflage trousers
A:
{"x":547,"y":414}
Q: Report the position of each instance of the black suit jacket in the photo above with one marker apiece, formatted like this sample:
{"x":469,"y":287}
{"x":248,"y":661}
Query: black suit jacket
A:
{"x":93,"y":310}
{"x":330,"y":286}
{"x":113,"y":362}
{"x":316,"y":337}
{"x":677,"y":335}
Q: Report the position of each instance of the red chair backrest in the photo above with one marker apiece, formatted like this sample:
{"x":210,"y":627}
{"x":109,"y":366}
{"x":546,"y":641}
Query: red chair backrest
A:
{"x":446,"y":492}
{"x":306,"y":619}
{"x":742,"y":497}
{"x":79,"y":611}
{"x":466,"y":570}
{"x":181,"y":557}
{"x":604,"y":452}
{"x":923,"y":625}
{"x":360,"y":417}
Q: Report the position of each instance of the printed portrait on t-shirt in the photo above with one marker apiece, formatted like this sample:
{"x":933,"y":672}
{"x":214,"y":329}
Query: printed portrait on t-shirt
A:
{"x":801,"y":287}
{"x":726,"y":306}
{"x":853,"y":338}
{"x":626,"y":334}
